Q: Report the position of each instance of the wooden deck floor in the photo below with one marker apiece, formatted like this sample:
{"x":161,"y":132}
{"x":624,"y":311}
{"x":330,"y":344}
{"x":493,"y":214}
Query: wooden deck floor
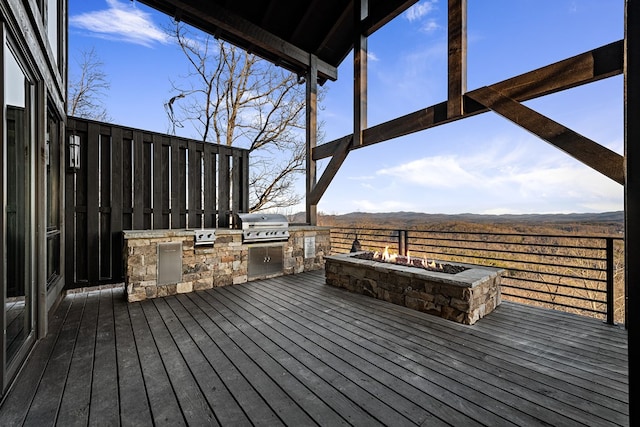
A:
{"x":293,"y":351}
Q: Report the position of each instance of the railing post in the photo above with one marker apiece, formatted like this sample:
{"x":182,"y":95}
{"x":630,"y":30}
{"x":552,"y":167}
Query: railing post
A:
{"x":402,"y":250}
{"x":406,"y":242}
{"x":610,"y":295}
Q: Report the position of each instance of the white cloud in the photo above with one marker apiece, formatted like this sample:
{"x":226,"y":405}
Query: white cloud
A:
{"x":383,"y":206}
{"x":420,"y":10}
{"x":430,"y":26}
{"x":121,"y":22}
{"x":372,"y":56}
{"x":500,"y":211}
{"x":362,"y":178}
{"x":415,"y":70}
{"x":505,"y":175}
{"x":438,"y":171}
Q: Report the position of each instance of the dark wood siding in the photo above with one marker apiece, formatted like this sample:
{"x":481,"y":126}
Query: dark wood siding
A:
{"x":131,"y":179}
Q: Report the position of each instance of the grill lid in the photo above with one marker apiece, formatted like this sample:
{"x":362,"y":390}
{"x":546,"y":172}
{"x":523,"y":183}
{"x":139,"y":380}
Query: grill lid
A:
{"x":253,"y":220}
{"x":258,"y":227}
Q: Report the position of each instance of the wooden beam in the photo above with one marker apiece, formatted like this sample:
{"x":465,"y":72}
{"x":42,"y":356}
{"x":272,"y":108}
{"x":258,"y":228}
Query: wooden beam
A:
{"x":360,"y":12}
{"x":632,"y":198}
{"x":382,"y":12}
{"x":588,"y":67}
{"x":337,"y":26}
{"x":592,"y":154}
{"x":331,"y":170}
{"x":311,"y":138}
{"x":209,"y":16}
{"x":457,"y":66}
{"x":302,"y":23}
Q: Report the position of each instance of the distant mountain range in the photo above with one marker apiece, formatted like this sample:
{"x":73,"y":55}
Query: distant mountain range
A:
{"x":419,"y":217}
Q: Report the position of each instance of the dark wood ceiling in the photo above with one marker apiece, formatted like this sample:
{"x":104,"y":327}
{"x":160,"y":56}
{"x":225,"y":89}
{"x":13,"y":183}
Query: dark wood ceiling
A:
{"x":285,"y":31}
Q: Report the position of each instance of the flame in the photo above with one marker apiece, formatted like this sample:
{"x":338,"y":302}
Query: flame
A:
{"x":424,"y":262}
{"x":386,"y":256}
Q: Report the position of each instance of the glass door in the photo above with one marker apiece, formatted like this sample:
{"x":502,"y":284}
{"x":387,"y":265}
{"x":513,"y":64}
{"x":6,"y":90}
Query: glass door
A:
{"x":18,"y":214}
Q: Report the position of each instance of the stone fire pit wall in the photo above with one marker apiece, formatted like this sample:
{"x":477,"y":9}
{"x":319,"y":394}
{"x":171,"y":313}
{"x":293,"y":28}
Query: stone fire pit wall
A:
{"x":221,"y":264}
{"x":465,"y":297}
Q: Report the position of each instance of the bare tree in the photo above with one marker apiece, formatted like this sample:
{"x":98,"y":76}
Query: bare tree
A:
{"x":231,"y":97}
{"x":88,"y":85}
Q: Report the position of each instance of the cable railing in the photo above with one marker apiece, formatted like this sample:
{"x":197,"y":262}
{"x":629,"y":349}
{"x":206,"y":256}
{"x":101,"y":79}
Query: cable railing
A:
{"x":575,"y":273}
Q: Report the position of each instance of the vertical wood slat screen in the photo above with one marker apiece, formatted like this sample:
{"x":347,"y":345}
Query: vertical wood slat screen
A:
{"x":131,"y":179}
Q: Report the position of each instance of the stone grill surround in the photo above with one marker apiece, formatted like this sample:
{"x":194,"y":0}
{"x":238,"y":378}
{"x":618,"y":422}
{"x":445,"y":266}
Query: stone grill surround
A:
{"x":465,"y":297}
{"x":204,"y":267}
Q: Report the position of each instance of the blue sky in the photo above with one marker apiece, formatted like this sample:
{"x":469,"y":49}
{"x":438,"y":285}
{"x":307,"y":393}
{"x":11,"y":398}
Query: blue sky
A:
{"x":482,"y":164}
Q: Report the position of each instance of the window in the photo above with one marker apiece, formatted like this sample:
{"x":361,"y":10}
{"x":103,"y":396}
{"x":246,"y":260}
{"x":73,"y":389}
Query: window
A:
{"x":18,"y":202}
{"x":52,"y":27}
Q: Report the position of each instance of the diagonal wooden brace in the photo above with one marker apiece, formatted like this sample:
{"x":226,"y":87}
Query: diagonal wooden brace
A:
{"x":587,"y":151}
{"x":330,"y":171}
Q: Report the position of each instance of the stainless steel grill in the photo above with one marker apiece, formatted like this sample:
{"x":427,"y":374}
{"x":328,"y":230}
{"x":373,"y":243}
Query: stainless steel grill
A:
{"x":258,"y":227}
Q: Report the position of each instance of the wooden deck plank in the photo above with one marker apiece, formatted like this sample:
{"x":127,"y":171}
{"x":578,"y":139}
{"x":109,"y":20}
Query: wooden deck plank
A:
{"x":504,"y":350}
{"x":162,"y":401}
{"x":478,"y":336}
{"x":424,"y":378}
{"x":76,"y":400}
{"x":16,"y":403}
{"x":194,"y":407}
{"x":275,"y":360}
{"x":134,"y":406}
{"x":402,"y":340}
{"x":252,"y":404}
{"x":520,"y":381}
{"x":589,"y":389}
{"x":341,"y":373}
{"x":301,"y":365}
{"x":586,"y":335}
{"x":222,"y":403}
{"x":561,"y":347}
{"x":294,"y":351}
{"x":284,"y":408}
{"x":580,"y":329}
{"x":295,"y":414}
{"x":105,"y":405}
{"x":44,"y":407}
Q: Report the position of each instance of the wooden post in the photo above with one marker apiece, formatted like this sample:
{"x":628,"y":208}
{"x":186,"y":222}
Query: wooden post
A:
{"x":457,"y":67}
{"x":210,"y":185}
{"x":92,"y":201}
{"x":116,"y":203}
{"x":224,"y":186}
{"x":194,"y":195}
{"x":312,"y":137}
{"x":236,"y":184}
{"x":360,"y":13}
{"x":632,"y":194}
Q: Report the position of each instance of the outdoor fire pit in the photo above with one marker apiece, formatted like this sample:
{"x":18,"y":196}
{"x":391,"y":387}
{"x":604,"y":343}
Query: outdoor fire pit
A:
{"x":460,"y":292}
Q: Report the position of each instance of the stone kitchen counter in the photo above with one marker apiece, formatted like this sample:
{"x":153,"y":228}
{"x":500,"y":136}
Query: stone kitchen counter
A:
{"x":186,"y":267}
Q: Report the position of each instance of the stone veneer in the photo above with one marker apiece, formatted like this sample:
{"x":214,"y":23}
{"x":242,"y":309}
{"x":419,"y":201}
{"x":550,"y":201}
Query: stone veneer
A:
{"x":203,"y":267}
{"x":464,"y":297}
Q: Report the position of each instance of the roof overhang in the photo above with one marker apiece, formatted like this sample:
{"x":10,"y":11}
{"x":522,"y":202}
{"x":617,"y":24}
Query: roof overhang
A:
{"x":285,"y":32}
